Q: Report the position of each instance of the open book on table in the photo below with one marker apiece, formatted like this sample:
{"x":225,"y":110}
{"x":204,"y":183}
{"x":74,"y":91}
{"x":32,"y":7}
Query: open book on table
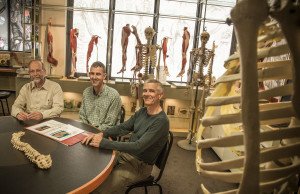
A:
{"x":61,"y":132}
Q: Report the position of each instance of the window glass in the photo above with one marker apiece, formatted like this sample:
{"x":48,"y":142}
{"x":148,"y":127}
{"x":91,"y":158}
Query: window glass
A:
{"x":17,"y":29}
{"x":90,"y":22}
{"x":178,"y":8}
{"x":221,"y":34}
{"x":217,"y":12}
{"x":143,"y":6}
{"x":173,"y":28}
{"x":3,"y":25}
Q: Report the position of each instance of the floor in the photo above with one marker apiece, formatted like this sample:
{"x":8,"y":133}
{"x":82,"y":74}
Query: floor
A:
{"x":181,"y":177}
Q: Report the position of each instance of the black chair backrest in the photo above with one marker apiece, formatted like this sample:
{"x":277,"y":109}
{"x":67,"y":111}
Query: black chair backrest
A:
{"x":122,"y":114}
{"x":163,"y":156}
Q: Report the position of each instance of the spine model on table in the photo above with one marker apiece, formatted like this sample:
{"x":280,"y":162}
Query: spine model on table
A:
{"x":42,"y":161}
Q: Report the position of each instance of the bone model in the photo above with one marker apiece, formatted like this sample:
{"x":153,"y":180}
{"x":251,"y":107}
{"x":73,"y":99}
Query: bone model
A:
{"x":244,"y":119}
{"x":42,"y":161}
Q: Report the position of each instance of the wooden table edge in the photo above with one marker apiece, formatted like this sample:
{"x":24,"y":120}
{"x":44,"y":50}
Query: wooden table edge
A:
{"x":98,"y":180}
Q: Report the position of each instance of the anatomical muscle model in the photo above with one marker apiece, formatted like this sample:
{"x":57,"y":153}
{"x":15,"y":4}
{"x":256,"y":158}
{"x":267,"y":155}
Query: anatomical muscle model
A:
{"x":73,"y":44}
{"x":138,"y":51}
{"x":124,"y":43}
{"x":165,"y":50}
{"x":93,"y":41}
{"x":185,"y":45}
{"x":50,"y":57}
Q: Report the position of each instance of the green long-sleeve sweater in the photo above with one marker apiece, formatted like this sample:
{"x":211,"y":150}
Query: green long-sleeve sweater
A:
{"x":149,"y":135}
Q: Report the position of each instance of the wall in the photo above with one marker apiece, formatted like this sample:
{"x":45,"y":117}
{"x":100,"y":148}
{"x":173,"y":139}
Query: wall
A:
{"x":58,"y":30}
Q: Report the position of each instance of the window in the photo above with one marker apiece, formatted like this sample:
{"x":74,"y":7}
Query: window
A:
{"x":16,"y":25}
{"x":3,"y":25}
{"x":92,"y":18}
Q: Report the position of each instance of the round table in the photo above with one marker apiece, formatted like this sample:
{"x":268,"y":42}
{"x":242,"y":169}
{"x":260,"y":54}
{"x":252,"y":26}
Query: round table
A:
{"x":75,"y":169}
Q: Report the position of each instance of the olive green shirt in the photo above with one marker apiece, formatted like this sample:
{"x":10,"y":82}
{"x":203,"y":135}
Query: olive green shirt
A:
{"x":149,"y":135}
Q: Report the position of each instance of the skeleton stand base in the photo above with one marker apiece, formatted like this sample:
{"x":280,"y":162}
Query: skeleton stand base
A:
{"x":187,"y":145}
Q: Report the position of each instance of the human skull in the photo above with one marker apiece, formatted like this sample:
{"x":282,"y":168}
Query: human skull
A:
{"x":149,"y":33}
{"x":205,"y":36}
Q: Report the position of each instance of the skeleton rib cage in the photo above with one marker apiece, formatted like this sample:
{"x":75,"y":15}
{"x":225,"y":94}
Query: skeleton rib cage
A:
{"x":257,"y":169}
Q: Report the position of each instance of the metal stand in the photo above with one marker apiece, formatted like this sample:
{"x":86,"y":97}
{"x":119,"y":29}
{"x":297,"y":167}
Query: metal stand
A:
{"x":188,"y":143}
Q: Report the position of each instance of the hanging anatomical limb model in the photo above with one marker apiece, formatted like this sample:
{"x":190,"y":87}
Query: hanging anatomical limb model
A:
{"x":124,"y":43}
{"x":185,"y":45}
{"x":138,"y":51}
{"x":93,"y":41}
{"x":165,"y":50}
{"x":73,"y":44}
{"x":50,"y":57}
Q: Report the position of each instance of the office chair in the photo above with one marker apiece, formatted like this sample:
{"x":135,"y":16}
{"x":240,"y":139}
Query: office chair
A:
{"x":160,"y":163}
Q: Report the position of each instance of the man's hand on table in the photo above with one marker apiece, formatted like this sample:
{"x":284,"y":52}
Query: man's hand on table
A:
{"x":23,"y":116}
{"x":93,"y":140}
{"x":35,"y":116}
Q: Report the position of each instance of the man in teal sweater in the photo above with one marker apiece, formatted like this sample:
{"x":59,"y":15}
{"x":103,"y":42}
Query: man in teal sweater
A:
{"x":149,"y":127}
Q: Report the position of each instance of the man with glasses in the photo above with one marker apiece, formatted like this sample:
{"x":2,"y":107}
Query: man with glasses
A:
{"x":39,"y":99}
{"x":101,"y":104}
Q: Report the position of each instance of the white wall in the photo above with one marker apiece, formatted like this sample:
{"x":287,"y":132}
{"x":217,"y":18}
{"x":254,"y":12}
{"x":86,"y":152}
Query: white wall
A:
{"x":58,"y":32}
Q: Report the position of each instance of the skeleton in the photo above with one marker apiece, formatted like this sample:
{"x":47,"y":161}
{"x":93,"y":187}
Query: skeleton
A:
{"x":146,"y":54}
{"x":201,"y":57}
{"x":42,"y":161}
{"x":260,"y":172}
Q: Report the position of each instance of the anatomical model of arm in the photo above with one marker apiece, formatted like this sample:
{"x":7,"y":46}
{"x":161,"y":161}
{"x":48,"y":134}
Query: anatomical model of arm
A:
{"x":165,"y":50}
{"x":50,"y":57}
{"x":138,"y":51}
{"x":93,"y":41}
{"x":185,"y":45}
{"x":124,"y":43}
{"x":42,"y":161}
{"x":73,"y":44}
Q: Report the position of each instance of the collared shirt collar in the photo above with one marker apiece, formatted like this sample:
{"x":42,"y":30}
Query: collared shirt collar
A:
{"x":101,"y":92}
{"x":45,"y":85}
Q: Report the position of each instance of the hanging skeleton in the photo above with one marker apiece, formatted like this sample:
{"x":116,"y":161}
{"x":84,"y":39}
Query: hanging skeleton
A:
{"x":274,"y":168}
{"x":146,"y":53}
{"x":93,"y":41}
{"x":201,"y":58}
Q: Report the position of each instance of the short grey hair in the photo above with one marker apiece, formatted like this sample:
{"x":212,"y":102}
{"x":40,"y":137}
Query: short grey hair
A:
{"x":160,"y":86}
{"x":99,"y":64}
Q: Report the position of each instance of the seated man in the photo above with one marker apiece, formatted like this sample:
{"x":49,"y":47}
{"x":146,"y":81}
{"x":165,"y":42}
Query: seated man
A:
{"x":101,"y":104}
{"x":39,"y":99}
{"x":149,"y":127}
